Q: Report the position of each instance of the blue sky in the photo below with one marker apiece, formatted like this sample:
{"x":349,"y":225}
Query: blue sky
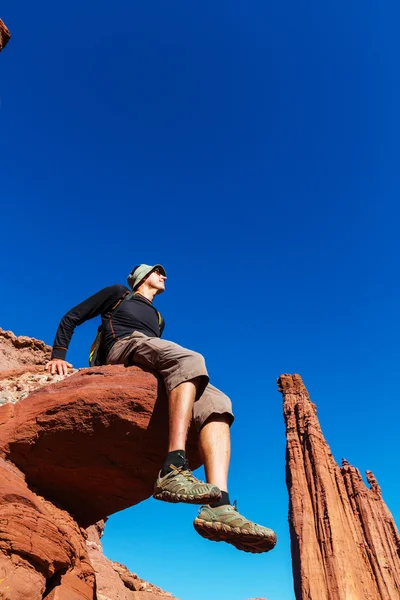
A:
{"x":253,"y":150}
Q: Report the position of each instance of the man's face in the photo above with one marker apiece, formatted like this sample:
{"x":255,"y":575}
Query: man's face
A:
{"x":157,"y":280}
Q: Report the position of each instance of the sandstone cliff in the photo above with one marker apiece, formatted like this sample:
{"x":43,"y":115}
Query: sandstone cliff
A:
{"x":4,"y":35}
{"x":104,"y":448}
{"x":93,"y":442}
{"x":345,"y":544}
{"x":113,"y":580}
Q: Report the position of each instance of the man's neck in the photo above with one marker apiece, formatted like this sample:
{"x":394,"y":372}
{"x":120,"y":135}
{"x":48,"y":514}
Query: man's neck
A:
{"x":147,"y":292}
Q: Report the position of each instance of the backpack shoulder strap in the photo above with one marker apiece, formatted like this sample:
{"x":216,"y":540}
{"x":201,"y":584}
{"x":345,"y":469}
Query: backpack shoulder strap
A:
{"x":96,"y":350}
{"x":126,"y":296}
{"x":161,"y":322}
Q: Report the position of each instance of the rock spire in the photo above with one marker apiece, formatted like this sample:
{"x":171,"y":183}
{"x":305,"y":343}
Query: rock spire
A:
{"x":4,"y":35}
{"x":345,"y":543}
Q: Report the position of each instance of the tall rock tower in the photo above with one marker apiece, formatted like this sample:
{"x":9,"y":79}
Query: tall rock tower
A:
{"x":4,"y":35}
{"x":345,"y":543}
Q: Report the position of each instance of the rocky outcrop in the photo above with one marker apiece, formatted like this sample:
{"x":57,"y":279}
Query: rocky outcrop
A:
{"x":21,"y":351}
{"x":42,"y":550}
{"x":21,"y":366}
{"x":92,"y":443}
{"x":345,"y":544}
{"x":113,"y":580}
{"x":17,"y":384}
{"x":4,"y":35}
{"x":72,"y":436}
{"x":44,"y":553}
{"x":100,"y":433}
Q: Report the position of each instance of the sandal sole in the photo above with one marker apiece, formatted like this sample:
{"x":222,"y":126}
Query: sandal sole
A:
{"x":242,"y":540}
{"x":174,"y":498}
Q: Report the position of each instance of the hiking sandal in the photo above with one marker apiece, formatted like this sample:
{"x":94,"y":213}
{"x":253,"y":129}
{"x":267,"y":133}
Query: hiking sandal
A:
{"x":180,"y":485}
{"x":226,"y":524}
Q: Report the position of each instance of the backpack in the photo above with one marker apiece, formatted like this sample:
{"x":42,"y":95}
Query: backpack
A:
{"x":98,"y":351}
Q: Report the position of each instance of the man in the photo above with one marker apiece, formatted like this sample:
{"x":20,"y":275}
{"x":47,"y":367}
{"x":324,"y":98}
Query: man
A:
{"x":132,"y":335}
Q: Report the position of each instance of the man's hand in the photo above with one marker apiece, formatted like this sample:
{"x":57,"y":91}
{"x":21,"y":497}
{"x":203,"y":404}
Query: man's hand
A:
{"x":58,"y":366}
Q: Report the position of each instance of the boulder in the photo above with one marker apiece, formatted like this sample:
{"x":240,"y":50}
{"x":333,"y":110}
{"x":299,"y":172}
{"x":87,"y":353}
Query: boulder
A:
{"x":43,"y":551}
{"x":94,"y":442}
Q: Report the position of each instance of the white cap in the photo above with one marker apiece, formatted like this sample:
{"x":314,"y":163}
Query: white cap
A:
{"x":139,"y":272}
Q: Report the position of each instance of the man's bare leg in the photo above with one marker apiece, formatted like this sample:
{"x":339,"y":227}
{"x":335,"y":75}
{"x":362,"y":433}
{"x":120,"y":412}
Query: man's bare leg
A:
{"x":220,"y":521}
{"x":215,"y":450}
{"x":181,"y":401}
{"x":176,"y":483}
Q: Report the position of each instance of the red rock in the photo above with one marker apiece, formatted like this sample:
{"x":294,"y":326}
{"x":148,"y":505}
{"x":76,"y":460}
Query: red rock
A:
{"x":17,"y":384}
{"x":108,"y":582}
{"x":113,"y":580}
{"x":22,"y":362}
{"x":4,"y":35}
{"x":146,"y":596}
{"x":40,"y":545}
{"x":94,"y":442}
{"x":21,"y":351}
{"x":345,"y":543}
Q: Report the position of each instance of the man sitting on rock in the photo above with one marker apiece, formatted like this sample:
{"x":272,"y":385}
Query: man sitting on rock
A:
{"x":132,"y":335}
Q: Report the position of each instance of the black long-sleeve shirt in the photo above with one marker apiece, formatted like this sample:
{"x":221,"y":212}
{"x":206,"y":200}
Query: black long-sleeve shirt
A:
{"x":133,"y":314}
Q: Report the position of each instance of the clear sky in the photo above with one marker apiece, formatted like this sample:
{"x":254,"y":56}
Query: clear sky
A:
{"x":252,"y":148}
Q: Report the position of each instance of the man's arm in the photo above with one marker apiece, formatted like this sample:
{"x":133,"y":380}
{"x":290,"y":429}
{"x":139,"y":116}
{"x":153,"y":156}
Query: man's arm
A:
{"x":88,"y":309}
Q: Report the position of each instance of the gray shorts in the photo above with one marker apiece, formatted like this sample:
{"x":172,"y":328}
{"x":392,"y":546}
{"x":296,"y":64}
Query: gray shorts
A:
{"x":175,"y":364}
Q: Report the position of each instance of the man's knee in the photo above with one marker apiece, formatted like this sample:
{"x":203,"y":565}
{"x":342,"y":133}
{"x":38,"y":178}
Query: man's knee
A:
{"x":213,"y":405}
{"x":198,"y":358}
{"x":195,"y":365}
